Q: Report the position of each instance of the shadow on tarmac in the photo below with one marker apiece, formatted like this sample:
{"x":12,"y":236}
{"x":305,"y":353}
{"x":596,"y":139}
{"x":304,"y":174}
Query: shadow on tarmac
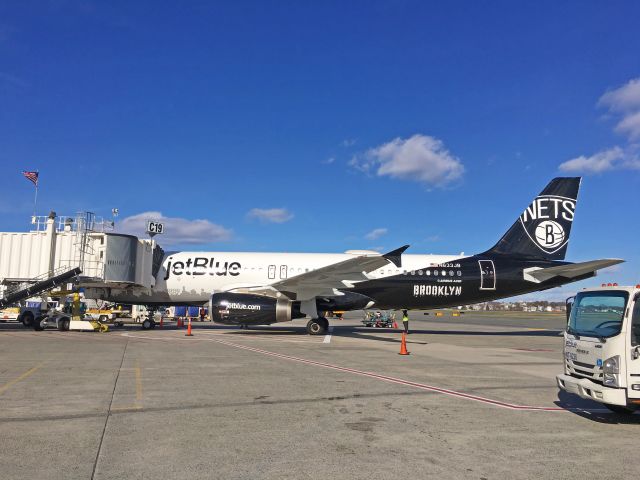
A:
{"x":293,"y":330}
{"x":594,"y":411}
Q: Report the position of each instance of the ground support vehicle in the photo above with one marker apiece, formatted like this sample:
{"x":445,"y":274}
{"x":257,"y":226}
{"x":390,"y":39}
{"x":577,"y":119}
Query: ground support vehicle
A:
{"x":63,"y":322}
{"x":8,"y":314}
{"x":108,"y":315}
{"x":602,"y":347}
{"x":379,"y":319}
{"x":34,"y":309}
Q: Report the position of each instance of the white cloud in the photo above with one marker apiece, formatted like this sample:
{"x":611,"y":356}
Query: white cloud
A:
{"x":329,"y":160}
{"x":630,"y":126}
{"x":597,"y":163}
{"x":376,"y":233}
{"x":420,"y":158}
{"x":270,"y":215}
{"x":625,"y":102}
{"x":612,"y":159}
{"x":349,"y":142}
{"x":177,"y":231}
{"x":624,"y":98}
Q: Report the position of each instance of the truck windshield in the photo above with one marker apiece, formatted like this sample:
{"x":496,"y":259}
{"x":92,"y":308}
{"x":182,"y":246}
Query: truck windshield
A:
{"x":598,"y":314}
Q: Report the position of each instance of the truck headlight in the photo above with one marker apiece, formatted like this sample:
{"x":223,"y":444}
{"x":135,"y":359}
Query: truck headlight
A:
{"x":610,"y":380}
{"x":611,"y":365}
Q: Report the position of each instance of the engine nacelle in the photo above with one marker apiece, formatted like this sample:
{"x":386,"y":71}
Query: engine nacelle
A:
{"x":249,"y":309}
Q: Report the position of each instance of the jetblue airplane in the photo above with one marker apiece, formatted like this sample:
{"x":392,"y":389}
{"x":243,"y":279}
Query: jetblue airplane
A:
{"x":265,"y":288}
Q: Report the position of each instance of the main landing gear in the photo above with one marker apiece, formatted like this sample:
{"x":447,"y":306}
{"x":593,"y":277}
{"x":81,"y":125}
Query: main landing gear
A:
{"x":318,"y":326}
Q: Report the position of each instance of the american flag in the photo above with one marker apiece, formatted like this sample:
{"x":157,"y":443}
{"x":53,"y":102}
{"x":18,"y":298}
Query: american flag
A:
{"x":32,"y":176}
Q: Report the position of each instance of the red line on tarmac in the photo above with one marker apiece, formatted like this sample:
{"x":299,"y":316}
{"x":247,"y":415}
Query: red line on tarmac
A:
{"x":399,"y":381}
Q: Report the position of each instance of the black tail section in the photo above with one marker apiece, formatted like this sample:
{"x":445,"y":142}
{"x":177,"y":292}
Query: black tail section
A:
{"x":543,"y":229}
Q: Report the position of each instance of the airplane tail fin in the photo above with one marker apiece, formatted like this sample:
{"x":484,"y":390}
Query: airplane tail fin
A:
{"x":543,"y":229}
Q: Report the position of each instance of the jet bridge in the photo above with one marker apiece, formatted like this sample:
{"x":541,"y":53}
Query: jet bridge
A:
{"x":83,"y":250}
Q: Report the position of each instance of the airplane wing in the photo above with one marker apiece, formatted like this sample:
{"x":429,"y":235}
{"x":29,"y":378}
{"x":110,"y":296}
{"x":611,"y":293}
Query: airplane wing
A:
{"x":571,"y":270}
{"x":323,"y":281}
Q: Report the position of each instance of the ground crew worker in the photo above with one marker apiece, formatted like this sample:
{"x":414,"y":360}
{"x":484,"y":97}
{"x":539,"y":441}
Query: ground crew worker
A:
{"x":76,"y":307}
{"x":202,"y":314}
{"x":405,"y":321}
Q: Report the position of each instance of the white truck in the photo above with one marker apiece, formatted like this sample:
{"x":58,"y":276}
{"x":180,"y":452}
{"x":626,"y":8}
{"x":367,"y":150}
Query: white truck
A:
{"x":602,"y":347}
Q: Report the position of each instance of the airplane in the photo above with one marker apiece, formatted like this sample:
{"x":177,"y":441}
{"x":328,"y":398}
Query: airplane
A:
{"x":243,"y":288}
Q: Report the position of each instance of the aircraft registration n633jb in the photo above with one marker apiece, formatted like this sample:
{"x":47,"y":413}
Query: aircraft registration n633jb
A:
{"x":262,"y":288}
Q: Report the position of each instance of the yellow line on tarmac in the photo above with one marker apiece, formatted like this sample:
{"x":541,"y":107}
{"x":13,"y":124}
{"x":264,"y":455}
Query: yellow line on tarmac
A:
{"x":126,"y":408}
{"x":29,"y":372}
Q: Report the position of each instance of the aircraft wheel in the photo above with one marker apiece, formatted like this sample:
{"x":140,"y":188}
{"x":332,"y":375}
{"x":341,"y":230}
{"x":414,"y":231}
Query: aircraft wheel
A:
{"x":620,"y":409}
{"x":317,"y":326}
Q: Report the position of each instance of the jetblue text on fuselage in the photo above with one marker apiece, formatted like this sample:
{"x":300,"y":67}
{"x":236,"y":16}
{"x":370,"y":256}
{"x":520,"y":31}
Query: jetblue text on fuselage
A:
{"x":202,"y":266}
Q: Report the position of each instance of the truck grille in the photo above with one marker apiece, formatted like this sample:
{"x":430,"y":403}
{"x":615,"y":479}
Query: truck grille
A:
{"x":584,"y":370}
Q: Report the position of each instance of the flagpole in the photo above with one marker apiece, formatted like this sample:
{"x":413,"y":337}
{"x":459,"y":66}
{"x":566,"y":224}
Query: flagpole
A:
{"x":35,"y":201}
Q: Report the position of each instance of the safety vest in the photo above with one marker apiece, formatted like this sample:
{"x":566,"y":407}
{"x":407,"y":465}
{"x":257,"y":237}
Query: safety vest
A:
{"x":405,"y":318}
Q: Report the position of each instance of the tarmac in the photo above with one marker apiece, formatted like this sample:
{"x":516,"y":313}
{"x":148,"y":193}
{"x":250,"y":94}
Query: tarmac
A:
{"x":475,"y":399}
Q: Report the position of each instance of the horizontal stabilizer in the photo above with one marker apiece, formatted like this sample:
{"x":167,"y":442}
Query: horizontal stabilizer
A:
{"x":570,"y":270}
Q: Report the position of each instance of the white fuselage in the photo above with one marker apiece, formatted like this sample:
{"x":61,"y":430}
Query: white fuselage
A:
{"x":192,"y":277}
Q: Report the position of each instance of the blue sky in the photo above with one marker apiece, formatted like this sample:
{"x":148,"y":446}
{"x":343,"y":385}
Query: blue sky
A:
{"x":325,"y":126}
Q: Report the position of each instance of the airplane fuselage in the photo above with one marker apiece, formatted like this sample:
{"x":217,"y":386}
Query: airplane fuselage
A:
{"x":423,"y":281}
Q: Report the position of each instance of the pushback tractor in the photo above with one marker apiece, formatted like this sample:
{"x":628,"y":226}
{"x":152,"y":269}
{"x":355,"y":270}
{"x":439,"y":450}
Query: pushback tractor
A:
{"x":602,"y":347}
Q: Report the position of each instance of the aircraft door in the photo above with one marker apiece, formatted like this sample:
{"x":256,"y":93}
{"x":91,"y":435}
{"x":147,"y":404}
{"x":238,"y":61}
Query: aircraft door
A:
{"x":487,"y":275}
{"x":283,"y":272}
{"x":272,"y":272}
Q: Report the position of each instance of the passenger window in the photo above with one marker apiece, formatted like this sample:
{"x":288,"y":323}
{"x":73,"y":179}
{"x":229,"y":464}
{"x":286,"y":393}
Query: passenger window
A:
{"x":635,"y":322}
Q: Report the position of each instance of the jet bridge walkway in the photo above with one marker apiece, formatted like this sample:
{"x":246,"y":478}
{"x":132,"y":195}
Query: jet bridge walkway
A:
{"x":38,"y":285}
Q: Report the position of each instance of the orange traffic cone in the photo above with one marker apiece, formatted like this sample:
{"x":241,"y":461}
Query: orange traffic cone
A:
{"x":403,"y":345}
{"x":189,"y":334}
{"x":179,"y":325}
{"x":395,"y":324}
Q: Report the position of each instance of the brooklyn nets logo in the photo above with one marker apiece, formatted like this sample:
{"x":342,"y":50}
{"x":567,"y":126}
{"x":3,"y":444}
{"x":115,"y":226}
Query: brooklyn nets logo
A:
{"x":547,"y":221}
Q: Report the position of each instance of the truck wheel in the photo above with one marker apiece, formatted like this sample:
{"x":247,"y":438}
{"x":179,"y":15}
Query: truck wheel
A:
{"x":63,"y":324}
{"x":621,"y":409}
{"x":38,"y":323}
{"x":146,"y":325}
{"x":102,"y":318}
{"x":27,"y":319}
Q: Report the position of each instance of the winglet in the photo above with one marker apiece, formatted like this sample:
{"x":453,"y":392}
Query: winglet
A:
{"x":395,"y":256}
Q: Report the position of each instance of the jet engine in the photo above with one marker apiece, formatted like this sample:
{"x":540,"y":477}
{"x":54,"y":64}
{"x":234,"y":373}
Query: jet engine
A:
{"x":249,"y":309}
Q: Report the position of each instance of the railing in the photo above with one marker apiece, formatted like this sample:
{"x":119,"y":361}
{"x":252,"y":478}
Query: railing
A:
{"x":45,"y":276}
{"x":43,"y":285}
{"x":82,"y":222}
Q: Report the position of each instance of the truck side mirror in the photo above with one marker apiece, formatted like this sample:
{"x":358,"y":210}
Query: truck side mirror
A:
{"x":569,"y":304}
